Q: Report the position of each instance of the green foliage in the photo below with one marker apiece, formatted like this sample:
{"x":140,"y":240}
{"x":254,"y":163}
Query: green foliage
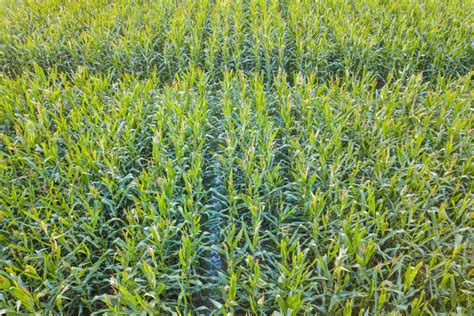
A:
{"x":231,"y":157}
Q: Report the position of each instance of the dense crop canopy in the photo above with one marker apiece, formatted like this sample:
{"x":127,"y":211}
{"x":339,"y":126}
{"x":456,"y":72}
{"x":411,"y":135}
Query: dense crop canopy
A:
{"x":282,"y":157}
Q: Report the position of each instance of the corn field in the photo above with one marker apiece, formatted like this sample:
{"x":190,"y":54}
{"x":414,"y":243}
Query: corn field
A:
{"x":236,"y":157}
